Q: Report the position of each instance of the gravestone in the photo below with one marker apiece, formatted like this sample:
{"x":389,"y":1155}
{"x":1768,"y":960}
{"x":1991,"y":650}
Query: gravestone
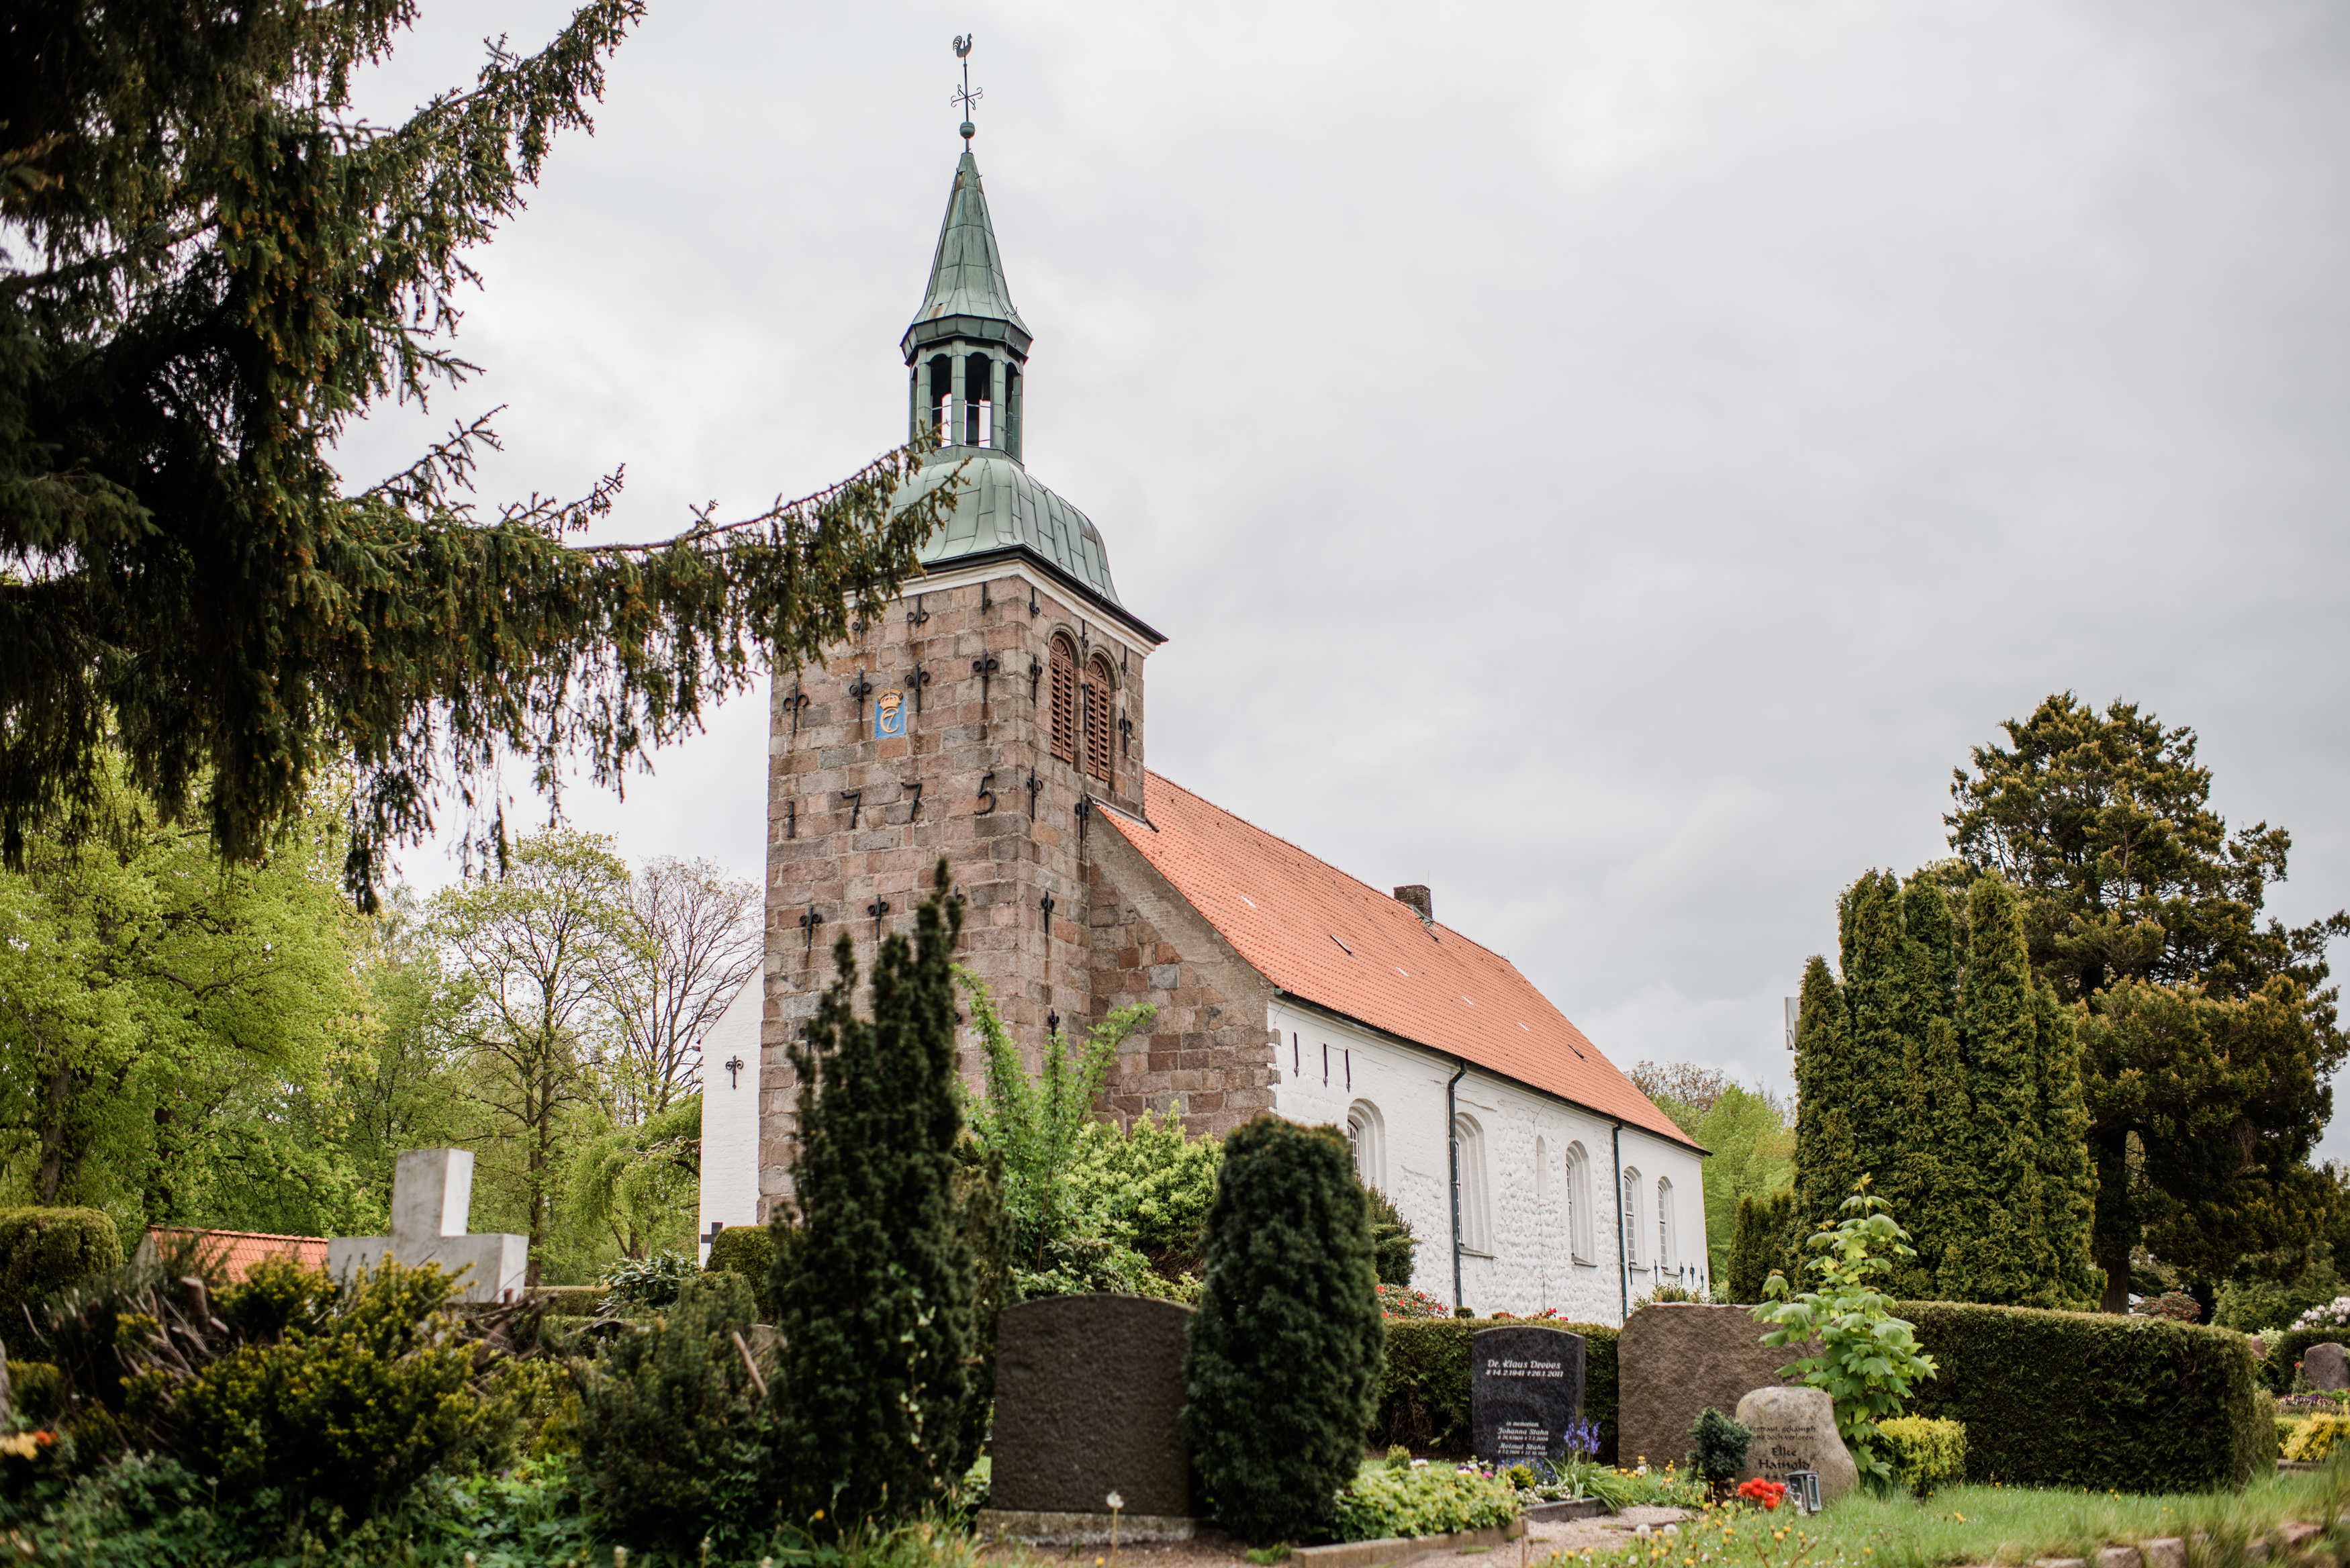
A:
{"x":1089,"y":1394}
{"x":1676,"y":1358}
{"x":1795,"y":1430}
{"x":2326,"y":1366}
{"x":432,"y":1197}
{"x":1525,"y":1388}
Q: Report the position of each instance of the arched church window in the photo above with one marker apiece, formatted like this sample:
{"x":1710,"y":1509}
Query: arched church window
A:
{"x":1476,"y":1221}
{"x":1064,"y":699}
{"x":940,"y":398}
{"x":1664,"y":1224}
{"x":978,"y":401}
{"x":1578,"y":1202}
{"x":1628,"y":1222}
{"x":1101,"y":721}
{"x":1366,"y":1131}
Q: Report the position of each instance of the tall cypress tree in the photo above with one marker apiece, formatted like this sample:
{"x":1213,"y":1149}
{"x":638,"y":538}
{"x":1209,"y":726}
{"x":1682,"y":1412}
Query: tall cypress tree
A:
{"x":1826,"y":1165}
{"x":1995,"y":1247}
{"x":1876,"y":994}
{"x":1924,"y":1180}
{"x":2068,"y":1192}
{"x":874,"y":1287}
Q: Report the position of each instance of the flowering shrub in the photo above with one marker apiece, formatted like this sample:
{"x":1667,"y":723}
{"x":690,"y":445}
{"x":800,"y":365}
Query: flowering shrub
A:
{"x":1402,"y":1300}
{"x":2176,"y":1305}
{"x":2314,"y":1438}
{"x":2335,"y":1313}
{"x":1769,"y":1493}
{"x":1423,"y":1500}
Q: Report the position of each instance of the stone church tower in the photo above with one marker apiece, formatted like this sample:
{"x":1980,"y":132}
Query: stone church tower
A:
{"x":991,"y":716}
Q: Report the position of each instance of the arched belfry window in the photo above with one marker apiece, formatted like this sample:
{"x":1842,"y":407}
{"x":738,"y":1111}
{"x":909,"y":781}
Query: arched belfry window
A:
{"x":1101,"y":718}
{"x":978,"y":401}
{"x":939,"y":399}
{"x":1665,"y":1218}
{"x":1578,"y":1202}
{"x":1476,"y":1216}
{"x":1064,"y":699}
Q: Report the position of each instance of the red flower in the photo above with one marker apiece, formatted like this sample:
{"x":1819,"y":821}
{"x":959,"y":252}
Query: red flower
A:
{"x":1769,"y":1493}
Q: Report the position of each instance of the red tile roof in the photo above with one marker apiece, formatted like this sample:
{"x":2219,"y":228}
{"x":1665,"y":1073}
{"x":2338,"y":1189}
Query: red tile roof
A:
{"x":240,"y":1249}
{"x":1326,"y":938}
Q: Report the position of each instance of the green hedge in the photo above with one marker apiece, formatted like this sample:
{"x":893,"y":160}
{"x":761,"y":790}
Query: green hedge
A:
{"x":2087,"y":1399}
{"x":748,"y":1250}
{"x":44,"y":1249}
{"x":1424,"y":1390}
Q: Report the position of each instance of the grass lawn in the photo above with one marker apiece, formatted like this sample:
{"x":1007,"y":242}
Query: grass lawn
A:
{"x":1994,"y":1524}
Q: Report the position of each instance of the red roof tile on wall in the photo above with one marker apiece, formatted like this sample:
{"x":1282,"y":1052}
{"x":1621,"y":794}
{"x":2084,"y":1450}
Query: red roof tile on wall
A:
{"x":240,"y":1249}
{"x":1326,"y":938}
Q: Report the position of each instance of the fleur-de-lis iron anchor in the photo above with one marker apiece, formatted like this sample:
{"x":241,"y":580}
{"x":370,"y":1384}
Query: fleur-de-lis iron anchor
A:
{"x":985,"y":669}
{"x":1052,"y":1024}
{"x":918,"y":616}
{"x":876,"y":909}
{"x":920,"y":678}
{"x":1045,"y":904}
{"x":860,"y":689}
{"x":808,"y":923}
{"x":1125,"y":734}
{"x":794,"y":702}
{"x":1034,"y":783}
{"x":1035,"y":674}
{"x":734,"y":1073}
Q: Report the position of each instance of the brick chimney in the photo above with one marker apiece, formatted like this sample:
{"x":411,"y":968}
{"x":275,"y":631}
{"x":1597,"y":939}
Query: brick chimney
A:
{"x":1421,"y":904}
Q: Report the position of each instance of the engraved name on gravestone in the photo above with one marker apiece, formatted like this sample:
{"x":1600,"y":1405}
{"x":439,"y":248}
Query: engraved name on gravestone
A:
{"x":1795,"y":1429}
{"x":1525,"y":1388}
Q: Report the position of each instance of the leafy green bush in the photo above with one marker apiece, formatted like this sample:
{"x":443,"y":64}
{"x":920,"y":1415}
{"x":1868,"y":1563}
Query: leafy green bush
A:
{"x":747,"y":1250}
{"x":42,"y":1251}
{"x":675,"y":1441}
{"x":644,"y":1284}
{"x":1926,"y":1455}
{"x":1420,"y":1500}
{"x":1285,"y":1360}
{"x":37,"y":1393}
{"x":2285,"y":1351}
{"x":1423,"y":1398}
{"x":2269,"y":1431}
{"x":1392,"y":1242}
{"x":351,"y":1401}
{"x":2092,"y":1399}
{"x":1868,"y":1361}
{"x":2314,"y":1438}
{"x":1721,"y":1444}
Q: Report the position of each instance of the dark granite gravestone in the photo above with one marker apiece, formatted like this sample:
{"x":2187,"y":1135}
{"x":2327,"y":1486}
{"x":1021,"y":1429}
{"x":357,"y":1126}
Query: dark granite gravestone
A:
{"x":1089,"y":1401}
{"x":1526,"y":1386}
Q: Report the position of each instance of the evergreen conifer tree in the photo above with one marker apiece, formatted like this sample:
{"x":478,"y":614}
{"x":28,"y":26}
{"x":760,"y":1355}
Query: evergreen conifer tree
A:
{"x":2068,"y":1191}
{"x":1995,"y":1248}
{"x":874,"y":1288}
{"x":1825,"y":1162}
{"x":1926,"y":1179}
{"x":1286,"y":1348}
{"x":1762,"y":1241}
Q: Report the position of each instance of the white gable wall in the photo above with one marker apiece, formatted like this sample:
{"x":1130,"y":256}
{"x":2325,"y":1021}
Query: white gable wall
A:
{"x":1528,"y":1261}
{"x":730,"y":1115}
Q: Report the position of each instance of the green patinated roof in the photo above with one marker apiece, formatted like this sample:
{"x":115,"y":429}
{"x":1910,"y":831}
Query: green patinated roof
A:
{"x":1002,"y":508}
{"x":967,"y":286}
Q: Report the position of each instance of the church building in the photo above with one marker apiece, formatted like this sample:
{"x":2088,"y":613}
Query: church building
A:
{"x":996,"y":716}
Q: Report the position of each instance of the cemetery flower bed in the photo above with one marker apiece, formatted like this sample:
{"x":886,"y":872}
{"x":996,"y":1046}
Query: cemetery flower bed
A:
{"x":1418,"y":1498}
{"x":1994,"y":1524}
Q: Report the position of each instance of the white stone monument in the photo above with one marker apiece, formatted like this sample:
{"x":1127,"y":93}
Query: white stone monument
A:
{"x":432,"y":1194}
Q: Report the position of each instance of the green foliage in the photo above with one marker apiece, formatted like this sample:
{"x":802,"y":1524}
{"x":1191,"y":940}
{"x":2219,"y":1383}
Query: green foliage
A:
{"x":874,"y":1290}
{"x":346,"y":1407}
{"x":2286,"y":1349}
{"x":1927,"y":1455}
{"x":1423,"y":1396}
{"x":1284,"y":1358}
{"x":1761,"y":1244}
{"x":638,"y":1182}
{"x":2139,"y":903}
{"x":675,"y":1441}
{"x":2092,"y":1400}
{"x":219,"y":268}
{"x":1426,"y":1500}
{"x":1720,"y":1444}
{"x":748,"y":1252}
{"x":43,"y":1249}
{"x":2260,"y":1299}
{"x":646,"y":1285}
{"x":1392,"y":1242}
{"x":37,"y":1393}
{"x":1869,"y":1361}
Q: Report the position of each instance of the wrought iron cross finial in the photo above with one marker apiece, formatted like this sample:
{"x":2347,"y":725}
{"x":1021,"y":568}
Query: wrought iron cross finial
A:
{"x":734,"y":1073}
{"x":966,"y":95}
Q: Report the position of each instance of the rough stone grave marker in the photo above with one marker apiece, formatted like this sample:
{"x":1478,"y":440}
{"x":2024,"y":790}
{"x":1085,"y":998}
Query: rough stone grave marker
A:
{"x":1089,"y":1396}
{"x":2326,"y":1366}
{"x":1676,"y":1358}
{"x":431,"y":1196}
{"x":1795,"y":1429}
{"x":1525,"y":1388}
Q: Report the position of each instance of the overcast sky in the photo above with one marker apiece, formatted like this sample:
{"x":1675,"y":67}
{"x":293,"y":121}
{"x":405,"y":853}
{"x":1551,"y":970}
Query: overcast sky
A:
{"x":1607,"y":461}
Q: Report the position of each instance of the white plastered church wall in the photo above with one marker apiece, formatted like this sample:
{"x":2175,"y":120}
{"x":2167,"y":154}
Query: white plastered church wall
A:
{"x":730,"y":1115}
{"x":1529,"y":1261}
